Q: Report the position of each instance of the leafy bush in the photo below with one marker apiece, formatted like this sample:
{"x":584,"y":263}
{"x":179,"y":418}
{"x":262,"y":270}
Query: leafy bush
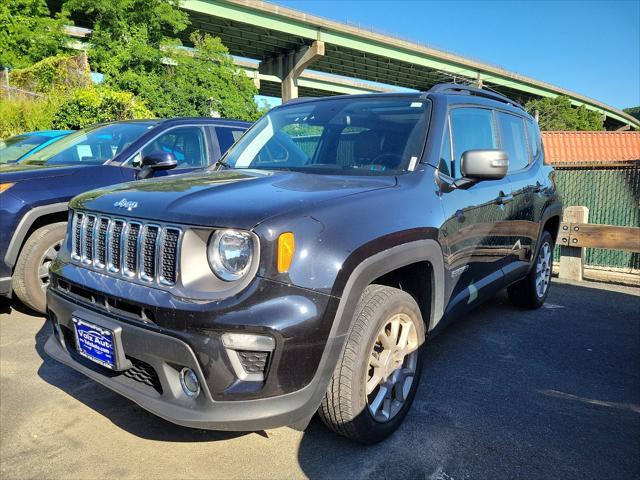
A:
{"x":57,"y":74}
{"x":88,"y":106}
{"x":25,"y":115}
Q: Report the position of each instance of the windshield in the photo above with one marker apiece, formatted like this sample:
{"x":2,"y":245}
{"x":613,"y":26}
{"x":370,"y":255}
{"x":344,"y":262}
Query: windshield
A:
{"x":13,"y":148}
{"x":345,"y":136}
{"x":90,"y":146}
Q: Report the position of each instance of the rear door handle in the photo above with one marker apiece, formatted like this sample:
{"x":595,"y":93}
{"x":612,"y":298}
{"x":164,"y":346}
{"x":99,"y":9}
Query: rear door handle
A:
{"x":504,"y":199}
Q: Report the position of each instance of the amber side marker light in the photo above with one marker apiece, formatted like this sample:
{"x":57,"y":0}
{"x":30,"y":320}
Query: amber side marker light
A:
{"x":5,"y":186}
{"x":286,"y":247}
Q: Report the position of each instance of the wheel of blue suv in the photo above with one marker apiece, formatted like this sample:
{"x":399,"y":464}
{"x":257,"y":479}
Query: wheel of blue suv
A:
{"x":30,"y":277}
{"x":375,"y":381}
{"x":531,"y":292}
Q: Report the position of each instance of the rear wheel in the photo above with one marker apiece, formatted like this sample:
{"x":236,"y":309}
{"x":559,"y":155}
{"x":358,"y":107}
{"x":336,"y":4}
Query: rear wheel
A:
{"x":31,"y":275}
{"x":531,"y":292}
{"x":376,"y":379}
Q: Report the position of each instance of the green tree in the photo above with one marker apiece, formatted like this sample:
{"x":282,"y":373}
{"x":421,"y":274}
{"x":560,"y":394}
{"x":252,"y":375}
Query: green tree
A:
{"x":28,"y":32}
{"x":633,"y":111}
{"x":128,"y":33}
{"x":558,"y":114}
{"x":200,"y":82}
{"x":131,"y":46}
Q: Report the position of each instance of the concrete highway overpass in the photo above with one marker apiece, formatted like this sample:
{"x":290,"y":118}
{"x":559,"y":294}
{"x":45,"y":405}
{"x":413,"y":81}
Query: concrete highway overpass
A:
{"x":286,"y":42}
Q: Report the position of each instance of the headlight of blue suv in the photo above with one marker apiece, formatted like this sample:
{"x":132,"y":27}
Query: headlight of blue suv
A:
{"x":230,"y":253}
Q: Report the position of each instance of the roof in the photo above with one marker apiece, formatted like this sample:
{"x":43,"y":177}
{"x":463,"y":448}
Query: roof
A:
{"x":580,"y":147}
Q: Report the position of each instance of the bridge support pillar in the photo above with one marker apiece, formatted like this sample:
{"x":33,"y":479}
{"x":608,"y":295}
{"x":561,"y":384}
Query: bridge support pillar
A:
{"x":288,"y":67}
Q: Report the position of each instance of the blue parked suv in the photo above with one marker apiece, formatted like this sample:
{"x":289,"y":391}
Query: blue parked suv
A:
{"x":34,"y":192}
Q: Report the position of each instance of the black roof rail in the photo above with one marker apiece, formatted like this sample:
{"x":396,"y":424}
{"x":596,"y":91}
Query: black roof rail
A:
{"x":471,"y":90}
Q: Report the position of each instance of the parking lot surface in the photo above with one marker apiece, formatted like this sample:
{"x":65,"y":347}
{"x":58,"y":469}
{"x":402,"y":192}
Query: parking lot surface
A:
{"x":505,"y":393}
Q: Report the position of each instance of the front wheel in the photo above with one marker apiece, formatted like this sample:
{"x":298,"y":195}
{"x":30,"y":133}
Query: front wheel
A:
{"x":531,"y":292}
{"x":31,"y":275}
{"x":375,"y":381}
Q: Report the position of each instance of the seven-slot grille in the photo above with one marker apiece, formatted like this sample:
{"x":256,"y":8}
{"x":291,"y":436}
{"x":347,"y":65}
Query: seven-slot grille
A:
{"x":129,"y":248}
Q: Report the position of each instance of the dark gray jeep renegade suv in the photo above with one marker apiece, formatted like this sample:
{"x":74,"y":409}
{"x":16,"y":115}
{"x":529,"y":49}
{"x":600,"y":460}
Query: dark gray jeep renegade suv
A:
{"x":305,"y":271}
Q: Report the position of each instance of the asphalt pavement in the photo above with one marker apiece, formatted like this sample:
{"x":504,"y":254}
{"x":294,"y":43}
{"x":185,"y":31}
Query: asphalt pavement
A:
{"x":505,"y":393}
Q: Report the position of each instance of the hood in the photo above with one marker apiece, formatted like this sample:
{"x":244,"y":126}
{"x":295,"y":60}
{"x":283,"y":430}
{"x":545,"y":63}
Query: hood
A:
{"x":229,"y":198}
{"x":15,"y":172}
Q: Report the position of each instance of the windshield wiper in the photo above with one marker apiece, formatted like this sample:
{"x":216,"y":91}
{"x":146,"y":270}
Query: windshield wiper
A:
{"x":222,"y":163}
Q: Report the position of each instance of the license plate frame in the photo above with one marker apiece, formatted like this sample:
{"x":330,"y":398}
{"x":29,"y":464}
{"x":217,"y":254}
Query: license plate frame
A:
{"x":96,"y":343}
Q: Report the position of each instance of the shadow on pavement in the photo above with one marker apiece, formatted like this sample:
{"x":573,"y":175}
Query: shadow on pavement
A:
{"x":504,"y":393}
{"x":8,"y":305}
{"x":509,"y":393}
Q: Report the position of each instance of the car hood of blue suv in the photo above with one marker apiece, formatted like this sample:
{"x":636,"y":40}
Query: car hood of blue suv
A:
{"x":15,"y":172}
{"x":213,"y":199}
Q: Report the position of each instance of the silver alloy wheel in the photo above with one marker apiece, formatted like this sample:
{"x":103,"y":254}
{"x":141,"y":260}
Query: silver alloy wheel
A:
{"x":543,"y":270}
{"x":45,"y":262}
{"x":392,"y":367}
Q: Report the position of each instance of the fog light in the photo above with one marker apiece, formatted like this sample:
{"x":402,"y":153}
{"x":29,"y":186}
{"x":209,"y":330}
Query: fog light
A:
{"x":189,"y":382}
{"x":248,"y":341}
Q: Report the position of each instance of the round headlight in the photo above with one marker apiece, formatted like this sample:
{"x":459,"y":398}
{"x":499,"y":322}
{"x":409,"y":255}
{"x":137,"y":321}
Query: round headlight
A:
{"x":230,"y":253}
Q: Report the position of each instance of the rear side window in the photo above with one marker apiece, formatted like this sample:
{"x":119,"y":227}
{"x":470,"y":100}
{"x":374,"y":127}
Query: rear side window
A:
{"x":227,"y":136}
{"x":471,"y":129}
{"x":514,"y":140}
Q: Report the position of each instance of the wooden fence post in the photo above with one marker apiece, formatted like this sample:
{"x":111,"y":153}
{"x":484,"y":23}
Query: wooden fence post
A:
{"x":572,"y":258}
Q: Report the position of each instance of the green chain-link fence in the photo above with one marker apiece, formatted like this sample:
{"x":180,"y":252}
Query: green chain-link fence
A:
{"x":612,"y":194}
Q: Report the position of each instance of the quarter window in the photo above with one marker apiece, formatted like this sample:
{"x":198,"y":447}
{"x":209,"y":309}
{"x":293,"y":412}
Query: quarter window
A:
{"x":227,"y":136}
{"x":444,"y":165}
{"x":471,"y":129}
{"x":514,"y":140}
{"x":534,"y":139}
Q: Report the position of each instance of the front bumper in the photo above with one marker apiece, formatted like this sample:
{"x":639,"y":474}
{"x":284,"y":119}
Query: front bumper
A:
{"x":158,"y":354}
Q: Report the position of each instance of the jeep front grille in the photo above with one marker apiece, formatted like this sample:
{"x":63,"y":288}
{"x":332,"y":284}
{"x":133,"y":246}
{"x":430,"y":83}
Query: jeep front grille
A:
{"x":127,"y":248}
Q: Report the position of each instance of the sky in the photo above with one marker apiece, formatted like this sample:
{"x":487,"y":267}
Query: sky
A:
{"x":589,"y":47}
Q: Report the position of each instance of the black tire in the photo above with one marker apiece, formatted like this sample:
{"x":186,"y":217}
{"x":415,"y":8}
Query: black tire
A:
{"x":524,"y":293}
{"x":26,"y":281}
{"x":344,"y":408}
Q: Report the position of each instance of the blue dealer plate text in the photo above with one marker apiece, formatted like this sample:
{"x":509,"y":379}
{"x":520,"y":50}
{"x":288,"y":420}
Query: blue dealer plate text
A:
{"x":95,"y":343}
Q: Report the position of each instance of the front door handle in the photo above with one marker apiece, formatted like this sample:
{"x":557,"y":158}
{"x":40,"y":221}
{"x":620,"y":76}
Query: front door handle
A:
{"x":503,"y":199}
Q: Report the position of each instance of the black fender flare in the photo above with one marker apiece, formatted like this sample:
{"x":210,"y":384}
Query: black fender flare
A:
{"x":552,"y":210}
{"x":20,"y":233}
{"x":384,"y":262}
{"x":361,"y":276}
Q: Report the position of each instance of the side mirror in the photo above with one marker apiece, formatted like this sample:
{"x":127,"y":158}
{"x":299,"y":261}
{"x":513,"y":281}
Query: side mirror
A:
{"x":484,"y":164}
{"x":156,"y":161}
